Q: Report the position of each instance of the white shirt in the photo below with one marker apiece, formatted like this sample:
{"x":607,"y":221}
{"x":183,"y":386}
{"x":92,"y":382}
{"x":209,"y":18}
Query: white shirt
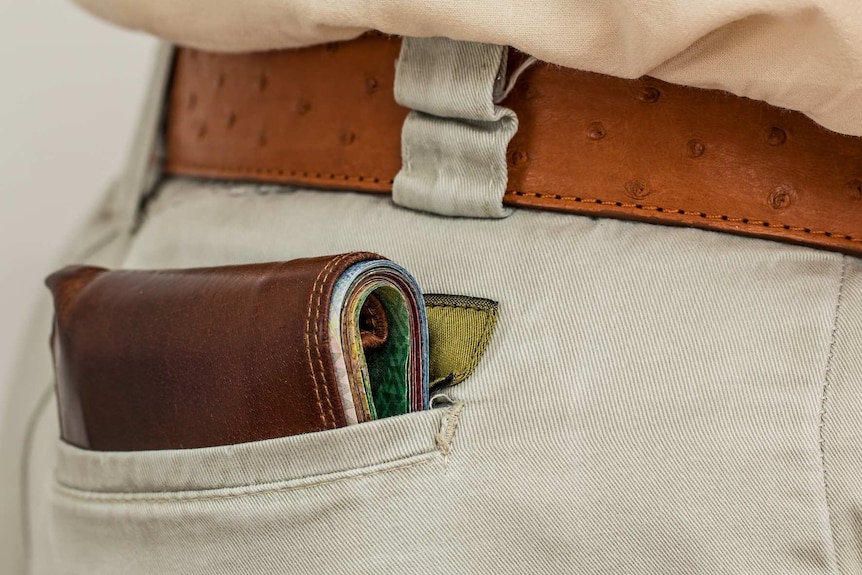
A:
{"x":805,"y":55}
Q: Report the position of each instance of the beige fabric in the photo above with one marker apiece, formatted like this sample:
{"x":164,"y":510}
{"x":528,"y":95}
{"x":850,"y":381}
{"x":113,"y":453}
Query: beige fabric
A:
{"x":800,"y":54}
{"x":654,"y":401}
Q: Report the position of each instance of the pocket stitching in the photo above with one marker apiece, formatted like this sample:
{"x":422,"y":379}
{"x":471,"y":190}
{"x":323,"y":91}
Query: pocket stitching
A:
{"x":251,"y":489}
{"x":443,"y":444}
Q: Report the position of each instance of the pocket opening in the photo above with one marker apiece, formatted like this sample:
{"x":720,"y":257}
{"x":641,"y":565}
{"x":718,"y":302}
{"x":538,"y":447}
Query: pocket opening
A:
{"x":281,"y":463}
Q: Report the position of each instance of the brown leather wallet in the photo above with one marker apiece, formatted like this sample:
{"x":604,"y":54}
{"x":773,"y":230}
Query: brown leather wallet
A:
{"x":198,"y":357}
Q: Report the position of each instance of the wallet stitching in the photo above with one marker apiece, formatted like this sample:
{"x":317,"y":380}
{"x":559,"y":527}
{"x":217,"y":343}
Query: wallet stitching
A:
{"x":335,"y":264}
{"x":753,"y":223}
{"x":169,"y":496}
{"x":309,"y":349}
{"x":310,"y":362}
{"x":314,"y":308}
{"x":479,"y":309}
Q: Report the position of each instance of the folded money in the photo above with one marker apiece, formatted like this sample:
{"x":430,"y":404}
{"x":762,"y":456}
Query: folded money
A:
{"x":378,"y":338}
{"x":179,"y":358}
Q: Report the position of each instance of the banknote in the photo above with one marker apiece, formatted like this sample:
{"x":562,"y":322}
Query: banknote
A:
{"x":379,"y":341}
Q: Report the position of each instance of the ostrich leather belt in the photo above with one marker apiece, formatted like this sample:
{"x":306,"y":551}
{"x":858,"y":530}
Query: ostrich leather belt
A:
{"x":326,"y":117}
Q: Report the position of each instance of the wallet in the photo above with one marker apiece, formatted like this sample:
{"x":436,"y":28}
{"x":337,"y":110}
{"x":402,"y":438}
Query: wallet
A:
{"x":172,"y":359}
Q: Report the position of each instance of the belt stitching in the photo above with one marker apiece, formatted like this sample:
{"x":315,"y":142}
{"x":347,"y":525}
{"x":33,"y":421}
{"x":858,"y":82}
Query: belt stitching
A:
{"x":754,"y":223}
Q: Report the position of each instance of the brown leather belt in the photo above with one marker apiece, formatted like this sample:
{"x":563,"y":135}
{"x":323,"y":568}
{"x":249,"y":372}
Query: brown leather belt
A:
{"x":590,"y":144}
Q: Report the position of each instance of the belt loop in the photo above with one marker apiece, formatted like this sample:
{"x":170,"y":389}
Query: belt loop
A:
{"x":454,"y":141}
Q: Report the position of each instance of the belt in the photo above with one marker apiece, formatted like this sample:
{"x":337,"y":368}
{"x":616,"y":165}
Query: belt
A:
{"x":647,"y":150}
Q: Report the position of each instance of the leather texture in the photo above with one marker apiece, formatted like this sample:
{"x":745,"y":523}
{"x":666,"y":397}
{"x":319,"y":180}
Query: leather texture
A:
{"x":589,"y":144}
{"x":177,"y":359}
{"x":324,"y":116}
{"x":658,"y":152}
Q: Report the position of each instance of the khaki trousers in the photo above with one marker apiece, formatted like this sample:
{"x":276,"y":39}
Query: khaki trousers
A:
{"x":654,"y":400}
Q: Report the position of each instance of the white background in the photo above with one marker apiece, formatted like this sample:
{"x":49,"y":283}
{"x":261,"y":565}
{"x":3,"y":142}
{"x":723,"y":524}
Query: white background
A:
{"x":70,"y":91}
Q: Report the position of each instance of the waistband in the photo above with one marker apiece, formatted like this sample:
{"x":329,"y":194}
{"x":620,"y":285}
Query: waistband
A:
{"x":342,"y":116}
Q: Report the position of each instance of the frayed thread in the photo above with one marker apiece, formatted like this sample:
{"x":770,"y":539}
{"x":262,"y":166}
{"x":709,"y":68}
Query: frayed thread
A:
{"x":513,"y":79}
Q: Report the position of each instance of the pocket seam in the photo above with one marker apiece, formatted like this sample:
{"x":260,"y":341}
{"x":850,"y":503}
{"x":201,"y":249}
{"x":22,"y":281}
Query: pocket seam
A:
{"x":821,"y":427}
{"x":443,"y":442}
{"x":239,"y":491}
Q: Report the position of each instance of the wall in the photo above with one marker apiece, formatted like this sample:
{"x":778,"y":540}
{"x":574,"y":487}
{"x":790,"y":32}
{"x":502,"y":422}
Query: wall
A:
{"x":70,"y":90}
